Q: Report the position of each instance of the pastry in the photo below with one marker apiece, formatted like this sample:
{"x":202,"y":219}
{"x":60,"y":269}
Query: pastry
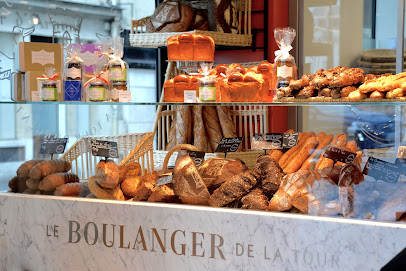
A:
{"x":13,"y":184}
{"x":345,"y":91}
{"x":33,"y":183}
{"x":45,"y":168}
{"x":51,"y":182}
{"x":188,"y":184}
{"x":234,"y":188}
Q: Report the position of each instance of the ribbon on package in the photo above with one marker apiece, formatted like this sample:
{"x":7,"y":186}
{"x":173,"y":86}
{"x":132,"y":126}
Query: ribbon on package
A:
{"x":74,"y":57}
{"x":283,"y":52}
{"x":46,"y":77}
{"x":98,"y":76}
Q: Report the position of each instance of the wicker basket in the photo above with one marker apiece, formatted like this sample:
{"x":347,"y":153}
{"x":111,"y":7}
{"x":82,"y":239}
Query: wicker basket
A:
{"x":154,"y":40}
{"x":131,"y":147}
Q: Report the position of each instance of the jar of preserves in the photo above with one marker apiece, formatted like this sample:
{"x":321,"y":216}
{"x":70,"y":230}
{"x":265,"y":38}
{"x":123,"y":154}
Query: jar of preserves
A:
{"x":117,"y":86}
{"x":98,"y":91}
{"x":207,"y":89}
{"x":49,"y":90}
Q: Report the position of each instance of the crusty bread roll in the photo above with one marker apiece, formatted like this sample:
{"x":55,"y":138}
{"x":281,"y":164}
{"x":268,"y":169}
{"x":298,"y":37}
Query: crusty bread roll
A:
{"x":216,"y":171}
{"x":108,"y":173}
{"x":170,"y":16}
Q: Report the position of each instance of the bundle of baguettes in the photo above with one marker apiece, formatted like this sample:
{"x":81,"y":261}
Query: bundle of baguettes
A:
{"x":201,"y":126}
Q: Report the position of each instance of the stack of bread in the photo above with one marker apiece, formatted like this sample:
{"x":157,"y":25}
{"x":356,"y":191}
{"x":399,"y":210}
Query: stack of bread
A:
{"x":280,"y":181}
{"x":201,"y":126}
{"x":235,"y":84}
{"x":47,"y":177}
{"x":127,"y":183}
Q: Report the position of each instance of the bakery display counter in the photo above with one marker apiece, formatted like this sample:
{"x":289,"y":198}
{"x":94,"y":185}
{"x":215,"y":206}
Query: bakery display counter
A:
{"x":58,"y":233}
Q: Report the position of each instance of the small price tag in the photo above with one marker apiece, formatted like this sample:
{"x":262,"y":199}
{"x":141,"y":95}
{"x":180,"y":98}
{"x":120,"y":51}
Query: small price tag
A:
{"x":382,"y":170}
{"x":53,"y":145}
{"x":261,"y":141}
{"x":164,"y":180}
{"x":339,"y":155}
{"x":290,"y":140}
{"x":197,"y":156}
{"x":229,"y":144}
{"x":104,"y":148}
{"x":124,"y":96}
{"x":189,"y":96}
{"x":35,"y":96}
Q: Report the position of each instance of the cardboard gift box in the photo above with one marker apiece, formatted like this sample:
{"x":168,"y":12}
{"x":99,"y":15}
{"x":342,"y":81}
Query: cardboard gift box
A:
{"x":32,"y":86}
{"x":37,"y":56}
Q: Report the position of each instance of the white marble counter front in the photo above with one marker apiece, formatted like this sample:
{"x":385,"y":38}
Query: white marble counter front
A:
{"x":54,"y":233}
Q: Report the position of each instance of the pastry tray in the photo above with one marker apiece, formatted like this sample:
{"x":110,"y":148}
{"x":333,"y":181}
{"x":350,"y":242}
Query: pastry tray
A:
{"x":340,"y":100}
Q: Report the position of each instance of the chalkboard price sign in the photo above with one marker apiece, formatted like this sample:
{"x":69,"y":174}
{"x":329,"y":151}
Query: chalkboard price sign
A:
{"x":104,"y":148}
{"x":53,"y":145}
{"x":229,"y":144}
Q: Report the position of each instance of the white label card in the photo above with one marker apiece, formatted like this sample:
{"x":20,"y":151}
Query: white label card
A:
{"x":189,"y":96}
{"x":124,"y":96}
{"x":35,"y":97}
{"x":43,"y":57}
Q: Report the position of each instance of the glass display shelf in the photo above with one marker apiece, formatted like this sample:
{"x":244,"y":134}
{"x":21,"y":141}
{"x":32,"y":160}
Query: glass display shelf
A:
{"x":369,"y":103}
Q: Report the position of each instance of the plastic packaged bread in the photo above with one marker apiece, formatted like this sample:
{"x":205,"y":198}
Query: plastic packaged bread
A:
{"x":174,"y":89}
{"x":191,"y":47}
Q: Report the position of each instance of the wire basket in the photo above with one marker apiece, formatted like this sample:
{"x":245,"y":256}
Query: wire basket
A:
{"x":131,"y":148}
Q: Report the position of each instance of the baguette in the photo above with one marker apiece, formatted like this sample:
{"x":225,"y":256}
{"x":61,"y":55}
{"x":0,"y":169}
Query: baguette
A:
{"x":172,"y":135}
{"x":53,"y":181}
{"x":226,"y":121}
{"x":301,"y":155}
{"x":292,"y":152}
{"x":199,"y":133}
{"x":183,"y":125}
{"x":340,"y":140}
{"x":212,"y":126}
{"x":352,"y":146}
{"x":323,"y":142}
{"x":45,"y":168}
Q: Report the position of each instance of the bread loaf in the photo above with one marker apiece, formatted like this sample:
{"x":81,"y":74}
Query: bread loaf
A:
{"x":73,"y":190}
{"x":170,"y":16}
{"x":33,"y":184}
{"x":172,"y":135}
{"x":234,"y":188}
{"x":255,"y":200}
{"x":212,"y":126}
{"x":45,"y":168}
{"x":183,"y":125}
{"x":270,"y":174}
{"x":200,"y":139}
{"x":129,"y":186}
{"x":51,"y":182}
{"x":13,"y":184}
{"x":162,"y":193}
{"x":299,"y":157}
{"x":132,"y":169}
{"x":108,"y":173}
{"x":100,"y":191}
{"x":216,"y":171}
{"x":188,"y":184}
{"x":143,"y":191}
{"x":24,"y":169}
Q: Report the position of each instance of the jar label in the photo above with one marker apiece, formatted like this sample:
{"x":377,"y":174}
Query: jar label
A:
{"x":49,"y":94}
{"x":189,"y":96}
{"x":97,"y":94}
{"x":74,"y":73}
{"x":116,"y":74}
{"x":114,"y":93}
{"x":284,"y":71}
{"x":207,"y":94}
{"x":35,"y":96}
